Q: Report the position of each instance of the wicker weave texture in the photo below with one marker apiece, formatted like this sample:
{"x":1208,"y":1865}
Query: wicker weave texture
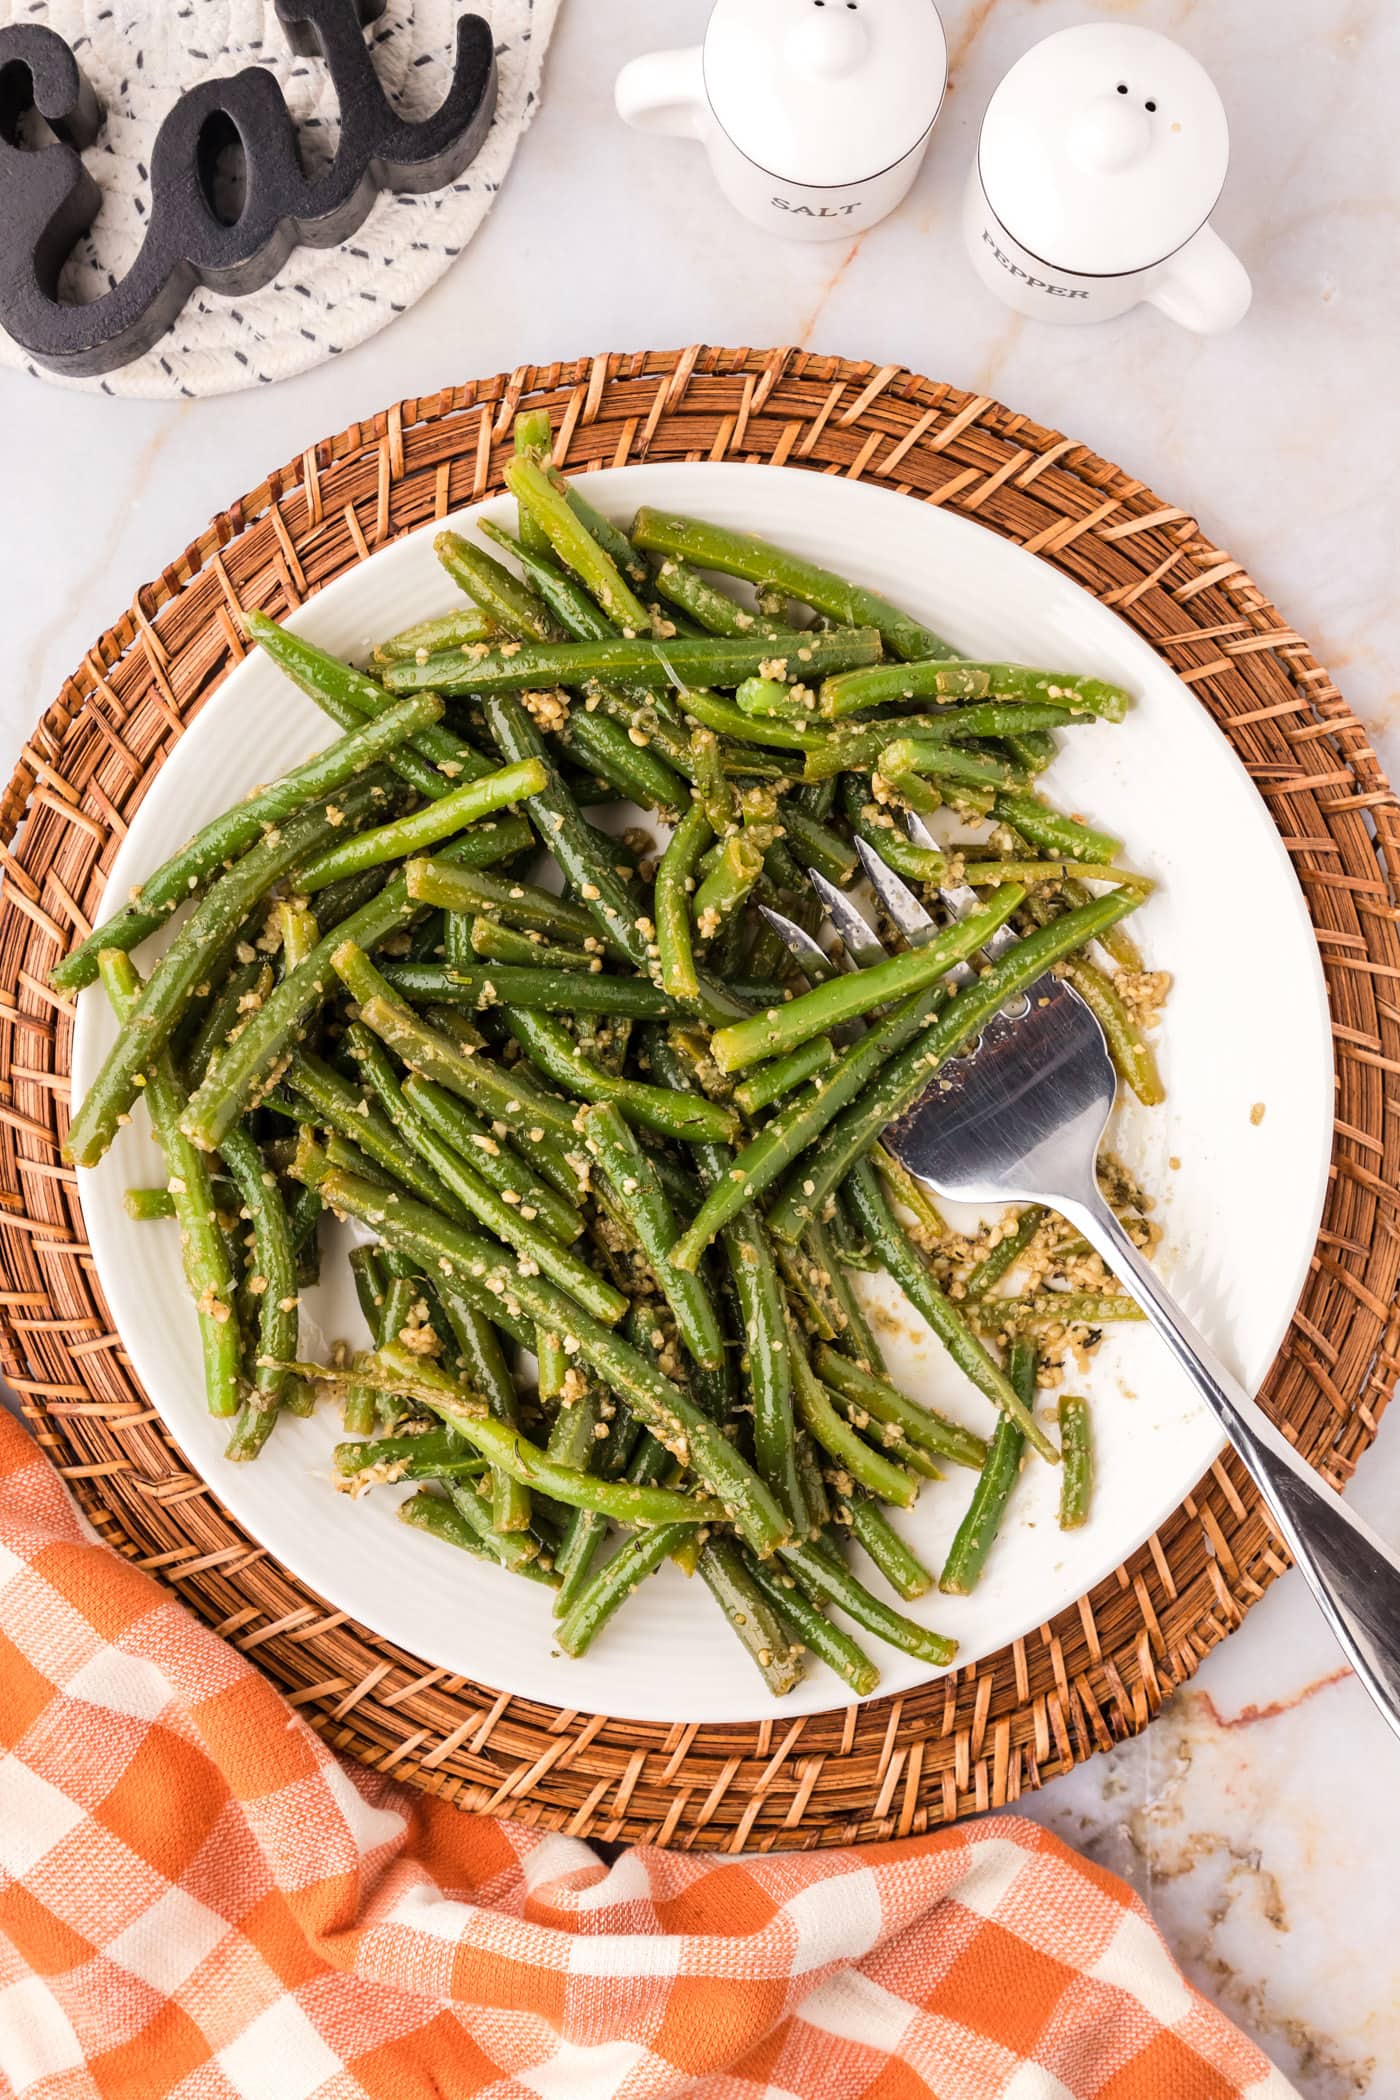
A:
{"x":981,"y":1736}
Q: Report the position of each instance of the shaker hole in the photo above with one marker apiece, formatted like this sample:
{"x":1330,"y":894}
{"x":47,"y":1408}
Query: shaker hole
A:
{"x":1152,"y":106}
{"x":1122,"y":85}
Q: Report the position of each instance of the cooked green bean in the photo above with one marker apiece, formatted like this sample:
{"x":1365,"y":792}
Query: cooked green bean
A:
{"x":634,"y":1178}
{"x":493,"y":1158}
{"x":449,"y":1521}
{"x":553,"y":1050}
{"x":627,"y":763}
{"x":467,"y":804}
{"x":518,"y":903}
{"x":874,"y":824}
{"x":851,"y":692}
{"x":198,"y":951}
{"x":1076,"y":1460}
{"x":610,"y":1588}
{"x":904,"y":1263}
{"x":453,"y":630}
{"x":675,"y":879}
{"x":493,"y":941}
{"x":273,"y":1282}
{"x":575,"y":546}
{"x":202,"y":1252}
{"x":665,"y":1409}
{"x":146,"y":1205}
{"x":1007,"y":1252}
{"x":1053,"y":833}
{"x":758,"y":561}
{"x":898,"y":1562}
{"x":922,"y":1426}
{"x":967,"y":1556}
{"x":827,"y":1580}
{"x":767,"y":1082}
{"x":726,"y":1573}
{"x":483,"y":986}
{"x":836,"y":1437}
{"x":228,"y":836}
{"x":681,"y":663}
{"x":856,"y":747}
{"x":1128,"y":1046}
{"x":813,"y":1629}
{"x":843,"y":998}
{"x":338,"y":1106}
{"x":1047,"y":1308}
{"x":731,"y":874}
{"x":509,"y":604}
{"x":931,"y":1226}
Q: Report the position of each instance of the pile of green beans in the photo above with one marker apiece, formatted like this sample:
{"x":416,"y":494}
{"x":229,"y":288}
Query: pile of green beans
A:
{"x":612,"y":1157}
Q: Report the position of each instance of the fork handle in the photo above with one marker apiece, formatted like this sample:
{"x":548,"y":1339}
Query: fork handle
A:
{"x":1353,"y":1575}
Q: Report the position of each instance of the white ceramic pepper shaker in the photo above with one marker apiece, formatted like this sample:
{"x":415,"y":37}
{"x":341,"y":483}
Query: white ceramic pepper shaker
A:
{"x":1101,"y":157}
{"x":815,"y":114}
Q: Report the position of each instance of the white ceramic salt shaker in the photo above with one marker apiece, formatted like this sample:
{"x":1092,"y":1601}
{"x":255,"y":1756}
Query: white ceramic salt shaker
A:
{"x":814,"y":113}
{"x":1101,"y":157}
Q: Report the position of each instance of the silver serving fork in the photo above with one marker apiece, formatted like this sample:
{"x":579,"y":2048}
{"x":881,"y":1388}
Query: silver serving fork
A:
{"x":1020,"y":1118}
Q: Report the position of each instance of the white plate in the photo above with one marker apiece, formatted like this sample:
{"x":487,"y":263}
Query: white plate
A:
{"x":1240,"y":1199}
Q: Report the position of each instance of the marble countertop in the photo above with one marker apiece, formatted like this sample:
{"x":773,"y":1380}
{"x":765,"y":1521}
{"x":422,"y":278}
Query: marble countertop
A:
{"x":1257,"y":1816}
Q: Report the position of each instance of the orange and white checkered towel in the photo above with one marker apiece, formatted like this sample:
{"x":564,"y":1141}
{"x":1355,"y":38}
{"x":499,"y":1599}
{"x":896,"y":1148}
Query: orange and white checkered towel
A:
{"x":198,"y":1902}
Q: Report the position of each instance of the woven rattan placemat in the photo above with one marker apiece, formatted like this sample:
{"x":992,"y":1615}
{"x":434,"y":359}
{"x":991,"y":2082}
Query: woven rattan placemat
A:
{"x":979,"y":1737}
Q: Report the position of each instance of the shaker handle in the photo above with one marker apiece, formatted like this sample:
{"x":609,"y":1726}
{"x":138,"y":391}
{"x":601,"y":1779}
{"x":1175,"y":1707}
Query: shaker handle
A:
{"x":1205,"y":285}
{"x":663,"y":91}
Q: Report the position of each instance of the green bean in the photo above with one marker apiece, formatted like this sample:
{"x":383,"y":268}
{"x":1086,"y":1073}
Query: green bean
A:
{"x":854,"y":1337}
{"x":508,"y":603}
{"x":202,"y":1252}
{"x":493,"y":1158}
{"x":767,"y":1082}
{"x":495,"y":942}
{"x":367,"y":1274}
{"x":454,"y":630}
{"x":915,"y":1279}
{"x":1128,"y":1046}
{"x":468,"y":804}
{"x":812,"y":1627}
{"x":956,"y":679}
{"x":972,"y":1542}
{"x":223,"y":1096}
{"x":552,"y":1049}
{"x":877,"y":827}
{"x":684,"y":662}
{"x":758,"y":561}
{"x":1077,"y":1456}
{"x":981,"y":874}
{"x":198,"y":951}
{"x":431,"y":1455}
{"x":146,"y":1205}
{"x":578,"y":849}
{"x":905,"y":1076}
{"x":710,"y":607}
{"x":725,"y":1572}
{"x":886,"y":1403}
{"x":727,"y":720}
{"x":633,"y":1175}
{"x":664,"y":1408}
{"x":627,"y":764}
{"x":827,"y":1578}
{"x":613,"y":541}
{"x":1044,"y":1308}
{"x":341,"y":1108}
{"x":898,"y":1563}
{"x":610,"y":1588}
{"x":482,"y":1364}
{"x":1006,"y":1253}
{"x":674,"y":881}
{"x":575,"y":545}
{"x":857,"y":747}
{"x":450,"y":1522}
{"x":239,"y":828}
{"x":472,"y":1198}
{"x":836,"y":1437}
{"x":565,"y":597}
{"x":513,"y":1453}
{"x":275,"y":1263}
{"x":1053,"y":833}
{"x":843,"y":998}
{"x":489,"y":985}
{"x":809,"y":1297}
{"x":712,"y":787}
{"x":816,"y":846}
{"x":519,"y":903}
{"x":224,"y":1016}
{"x":769,"y":696}
{"x":732,"y":873}
{"x":796,"y":1126}
{"x":952,"y":765}
{"x":901,"y":1185}
{"x":433,"y":758}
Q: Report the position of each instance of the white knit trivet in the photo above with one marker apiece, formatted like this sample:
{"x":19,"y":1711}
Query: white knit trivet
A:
{"x":141,"y":57}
